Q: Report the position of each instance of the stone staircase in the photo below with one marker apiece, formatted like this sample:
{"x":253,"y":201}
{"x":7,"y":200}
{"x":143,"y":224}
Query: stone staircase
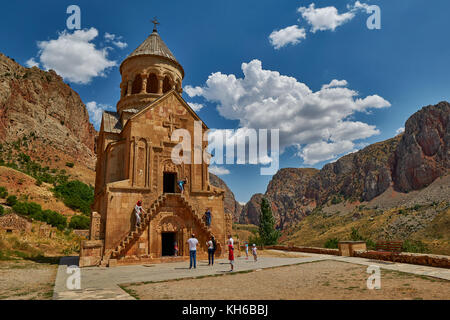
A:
{"x":135,"y":234}
{"x":125,"y":244}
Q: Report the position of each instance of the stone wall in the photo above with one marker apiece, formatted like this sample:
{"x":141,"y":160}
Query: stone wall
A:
{"x":334,"y":252}
{"x":14,"y":223}
{"x":404,"y":257}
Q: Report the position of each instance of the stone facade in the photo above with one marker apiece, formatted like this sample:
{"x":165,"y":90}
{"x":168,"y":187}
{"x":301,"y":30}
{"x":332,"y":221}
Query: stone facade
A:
{"x":13,"y":223}
{"x":134,"y":162}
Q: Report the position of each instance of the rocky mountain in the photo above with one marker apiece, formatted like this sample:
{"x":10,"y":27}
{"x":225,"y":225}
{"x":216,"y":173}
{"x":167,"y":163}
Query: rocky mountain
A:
{"x":38,"y":106}
{"x":231,"y":205}
{"x":423,"y":153}
{"x":407,"y":162}
{"x":252,"y":210}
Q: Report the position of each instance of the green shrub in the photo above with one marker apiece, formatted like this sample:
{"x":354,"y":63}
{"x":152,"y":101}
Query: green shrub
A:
{"x":2,"y":210}
{"x":3,"y":192}
{"x":331,"y":243}
{"x":336,"y":200}
{"x":70,"y":164}
{"x":34,"y":211}
{"x":355,"y":236}
{"x":79,"y":222}
{"x":11,"y":200}
{"x":415,"y":246}
{"x":370,"y":244}
{"x":76,"y":195}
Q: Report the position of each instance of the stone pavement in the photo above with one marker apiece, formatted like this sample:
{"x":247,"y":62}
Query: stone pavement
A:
{"x":99,"y":283}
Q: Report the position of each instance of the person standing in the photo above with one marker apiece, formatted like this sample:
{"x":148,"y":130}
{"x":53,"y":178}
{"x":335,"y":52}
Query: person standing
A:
{"x":230,"y":240}
{"x":175,"y":249}
{"x":138,"y":210}
{"x":231,"y":256}
{"x":211,"y":244}
{"x":208,"y":217}
{"x":246,"y":250}
{"x":192,"y":242}
{"x":255,"y":254}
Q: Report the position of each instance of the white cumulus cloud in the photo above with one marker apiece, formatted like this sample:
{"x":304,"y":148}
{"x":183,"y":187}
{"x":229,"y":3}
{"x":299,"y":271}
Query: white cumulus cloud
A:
{"x":289,"y":35}
{"x":327,"y":18}
{"x":318,"y":123}
{"x":196,"y":106}
{"x":95,"y":111}
{"x":32,"y":63}
{"x":400,"y":130}
{"x":218,"y":171}
{"x":74,"y":56}
{"x":115,"y":40}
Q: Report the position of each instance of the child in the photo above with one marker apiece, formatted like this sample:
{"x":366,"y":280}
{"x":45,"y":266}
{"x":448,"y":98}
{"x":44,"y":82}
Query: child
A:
{"x":255,"y":255}
{"x":231,"y":256}
{"x":176,"y":249}
{"x":246,"y":250}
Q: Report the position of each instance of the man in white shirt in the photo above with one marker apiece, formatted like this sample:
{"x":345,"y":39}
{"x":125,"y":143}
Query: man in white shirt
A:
{"x":192,"y":242}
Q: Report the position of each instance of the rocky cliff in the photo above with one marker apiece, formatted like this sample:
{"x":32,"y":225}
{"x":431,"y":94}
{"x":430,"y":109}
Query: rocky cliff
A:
{"x":423,"y":153}
{"x":409,"y":161}
{"x":230,"y":204}
{"x":38,"y":104}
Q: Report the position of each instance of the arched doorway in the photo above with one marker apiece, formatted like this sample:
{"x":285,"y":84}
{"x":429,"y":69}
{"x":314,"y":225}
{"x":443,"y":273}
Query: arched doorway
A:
{"x":172,"y":232}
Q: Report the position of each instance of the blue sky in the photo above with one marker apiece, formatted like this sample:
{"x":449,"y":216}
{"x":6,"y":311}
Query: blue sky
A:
{"x":405,"y":64}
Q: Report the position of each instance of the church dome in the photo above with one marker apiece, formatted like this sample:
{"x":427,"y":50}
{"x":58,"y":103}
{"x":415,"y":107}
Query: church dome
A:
{"x":148,"y":72}
{"x":154,"y":46}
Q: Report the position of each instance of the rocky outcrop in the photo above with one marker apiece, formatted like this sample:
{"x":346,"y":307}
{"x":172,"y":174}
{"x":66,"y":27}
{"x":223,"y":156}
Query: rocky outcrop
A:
{"x":230,"y":204}
{"x":423,"y":153}
{"x":287,"y":194}
{"x":409,"y":161}
{"x":361,"y":176}
{"x":38,"y":104}
{"x":252,"y":210}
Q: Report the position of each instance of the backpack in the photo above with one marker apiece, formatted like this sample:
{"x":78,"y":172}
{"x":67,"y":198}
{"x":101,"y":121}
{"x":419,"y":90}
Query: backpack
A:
{"x":214,"y":244}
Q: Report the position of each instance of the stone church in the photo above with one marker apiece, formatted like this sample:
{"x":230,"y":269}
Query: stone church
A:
{"x":134,"y":163}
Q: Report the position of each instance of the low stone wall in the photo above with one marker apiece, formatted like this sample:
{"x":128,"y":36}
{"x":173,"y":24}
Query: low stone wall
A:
{"x":404,"y":257}
{"x":334,"y":252}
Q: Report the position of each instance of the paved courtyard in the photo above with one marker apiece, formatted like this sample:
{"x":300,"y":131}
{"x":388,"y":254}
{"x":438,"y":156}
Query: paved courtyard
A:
{"x":103,"y":283}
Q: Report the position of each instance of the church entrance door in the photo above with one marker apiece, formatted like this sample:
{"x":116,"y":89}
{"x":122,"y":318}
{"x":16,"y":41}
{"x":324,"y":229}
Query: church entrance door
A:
{"x":170,"y":181}
{"x":168,"y":243}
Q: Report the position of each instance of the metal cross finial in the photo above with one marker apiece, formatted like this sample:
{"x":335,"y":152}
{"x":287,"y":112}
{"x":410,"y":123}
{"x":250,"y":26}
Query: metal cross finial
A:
{"x":155,"y":22}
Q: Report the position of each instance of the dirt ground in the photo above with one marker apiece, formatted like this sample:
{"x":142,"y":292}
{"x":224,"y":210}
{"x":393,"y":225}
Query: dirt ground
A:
{"x":26,"y":280}
{"x":323,"y":280}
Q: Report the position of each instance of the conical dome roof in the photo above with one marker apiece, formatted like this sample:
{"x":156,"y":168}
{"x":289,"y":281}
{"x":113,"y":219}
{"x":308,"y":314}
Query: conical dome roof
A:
{"x":154,"y":45}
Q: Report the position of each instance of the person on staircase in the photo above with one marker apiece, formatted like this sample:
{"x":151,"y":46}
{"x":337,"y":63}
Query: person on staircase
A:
{"x":208,"y":217}
{"x":181,"y":184}
{"x":138,"y":211}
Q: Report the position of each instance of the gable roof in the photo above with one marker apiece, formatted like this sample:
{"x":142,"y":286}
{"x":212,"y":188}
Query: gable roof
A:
{"x":111,"y":122}
{"x":165,"y":96}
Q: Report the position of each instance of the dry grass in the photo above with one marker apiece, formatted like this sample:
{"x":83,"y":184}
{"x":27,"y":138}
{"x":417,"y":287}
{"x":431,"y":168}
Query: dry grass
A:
{"x":319,"y":280}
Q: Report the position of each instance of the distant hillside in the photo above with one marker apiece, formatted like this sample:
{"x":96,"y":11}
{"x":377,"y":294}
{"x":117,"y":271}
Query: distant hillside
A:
{"x":231,"y":205}
{"x":410,"y":161}
{"x":39,"y":108}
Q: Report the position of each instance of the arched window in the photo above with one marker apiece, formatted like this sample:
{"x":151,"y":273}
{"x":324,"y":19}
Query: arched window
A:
{"x":166,"y":85}
{"x":137,"y":85}
{"x":152,"y":84}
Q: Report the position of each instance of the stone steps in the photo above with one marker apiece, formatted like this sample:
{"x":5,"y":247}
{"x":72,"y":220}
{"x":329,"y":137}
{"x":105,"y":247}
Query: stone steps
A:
{"x":117,"y":253}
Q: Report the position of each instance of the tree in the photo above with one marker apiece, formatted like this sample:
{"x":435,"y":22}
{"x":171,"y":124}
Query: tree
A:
{"x":267,"y":232}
